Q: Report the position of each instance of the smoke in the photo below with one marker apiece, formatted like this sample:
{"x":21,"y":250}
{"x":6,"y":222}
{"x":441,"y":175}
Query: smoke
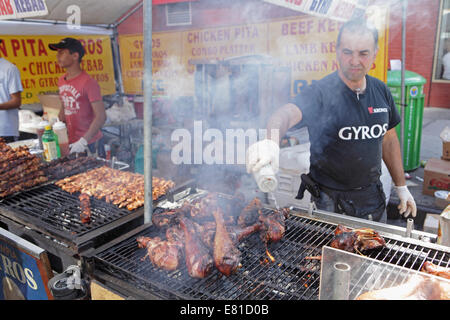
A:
{"x":231,"y":95}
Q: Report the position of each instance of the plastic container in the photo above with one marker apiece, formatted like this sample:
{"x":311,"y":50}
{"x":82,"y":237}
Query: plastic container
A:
{"x":40,"y":131}
{"x":107,"y":152}
{"x":50,"y":144}
{"x":60,"y":130}
{"x":293,"y":162}
{"x":265,"y":179}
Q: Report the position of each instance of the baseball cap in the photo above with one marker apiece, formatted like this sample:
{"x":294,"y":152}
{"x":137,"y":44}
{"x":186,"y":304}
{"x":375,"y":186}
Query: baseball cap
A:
{"x":72,"y":44}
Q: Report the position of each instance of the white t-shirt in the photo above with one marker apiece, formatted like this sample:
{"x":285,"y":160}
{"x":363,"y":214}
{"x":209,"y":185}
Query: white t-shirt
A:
{"x":9,"y":83}
{"x":446,"y":63}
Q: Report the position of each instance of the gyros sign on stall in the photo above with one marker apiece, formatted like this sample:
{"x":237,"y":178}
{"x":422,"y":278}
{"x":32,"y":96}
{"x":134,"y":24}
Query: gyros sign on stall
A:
{"x":24,"y":269}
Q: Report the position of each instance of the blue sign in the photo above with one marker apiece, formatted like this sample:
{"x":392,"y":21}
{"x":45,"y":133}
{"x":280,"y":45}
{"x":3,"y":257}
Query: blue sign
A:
{"x":24,"y":269}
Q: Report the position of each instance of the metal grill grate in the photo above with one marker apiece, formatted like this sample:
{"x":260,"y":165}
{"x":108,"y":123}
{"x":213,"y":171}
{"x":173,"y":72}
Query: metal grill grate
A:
{"x":293,"y":276}
{"x":58,"y":211}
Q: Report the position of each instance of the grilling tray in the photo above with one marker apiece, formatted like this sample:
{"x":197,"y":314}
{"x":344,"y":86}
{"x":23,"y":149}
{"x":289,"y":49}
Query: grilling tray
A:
{"x":50,"y":217}
{"x":293,"y":275}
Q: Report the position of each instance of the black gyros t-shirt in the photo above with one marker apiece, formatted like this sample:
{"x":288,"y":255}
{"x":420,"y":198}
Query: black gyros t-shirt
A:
{"x":346,"y":134}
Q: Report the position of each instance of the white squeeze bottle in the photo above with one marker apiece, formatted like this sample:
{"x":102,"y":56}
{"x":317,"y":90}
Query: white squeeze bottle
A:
{"x":60,"y":129}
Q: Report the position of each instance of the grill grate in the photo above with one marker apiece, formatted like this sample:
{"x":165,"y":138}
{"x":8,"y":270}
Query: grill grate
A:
{"x":58,"y":211}
{"x":293,"y":276}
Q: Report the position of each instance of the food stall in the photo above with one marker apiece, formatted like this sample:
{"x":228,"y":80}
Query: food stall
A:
{"x":125,"y":247}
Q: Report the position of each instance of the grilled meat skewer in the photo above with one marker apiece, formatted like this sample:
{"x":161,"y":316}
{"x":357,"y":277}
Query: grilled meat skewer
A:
{"x":85,"y":204}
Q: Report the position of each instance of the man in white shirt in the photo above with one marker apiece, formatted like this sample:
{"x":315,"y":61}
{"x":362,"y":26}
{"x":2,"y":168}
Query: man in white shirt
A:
{"x":446,"y":60}
{"x":10,"y":100}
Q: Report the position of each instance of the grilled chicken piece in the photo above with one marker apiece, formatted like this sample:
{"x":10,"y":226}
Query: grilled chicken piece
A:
{"x":198,"y":259}
{"x":206,"y":232}
{"x":85,"y":204}
{"x":202,"y":210}
{"x":417,"y":288}
{"x":175,"y":234}
{"x":356,"y":240}
{"x":250,"y":214}
{"x":227,"y":257}
{"x":237,"y":233}
{"x":433,"y":269}
{"x":273,"y":225}
{"x":170,"y":217}
{"x":162,"y":253}
{"x":164,"y":218}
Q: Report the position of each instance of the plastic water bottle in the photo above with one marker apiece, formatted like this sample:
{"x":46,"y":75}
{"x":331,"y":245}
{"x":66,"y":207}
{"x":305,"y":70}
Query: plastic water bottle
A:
{"x":50,"y":144}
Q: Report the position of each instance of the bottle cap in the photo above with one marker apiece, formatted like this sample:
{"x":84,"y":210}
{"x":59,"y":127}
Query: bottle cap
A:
{"x":42,"y":124}
{"x":48,"y":127}
{"x":59,"y":125}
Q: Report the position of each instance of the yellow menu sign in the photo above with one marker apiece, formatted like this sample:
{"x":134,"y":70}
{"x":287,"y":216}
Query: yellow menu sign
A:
{"x":166,"y":60}
{"x":40,"y":71}
{"x":305,"y":44}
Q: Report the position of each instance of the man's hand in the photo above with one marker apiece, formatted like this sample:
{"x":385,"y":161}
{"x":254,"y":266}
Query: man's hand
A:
{"x":261,"y":154}
{"x":407,"y":204}
{"x":79,"y":146}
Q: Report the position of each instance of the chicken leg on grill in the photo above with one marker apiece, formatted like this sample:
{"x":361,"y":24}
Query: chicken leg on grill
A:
{"x":162,"y":253}
{"x":356,"y":240}
{"x":226,"y":256}
{"x":249,"y":215}
{"x":198,"y":259}
{"x":273,"y":225}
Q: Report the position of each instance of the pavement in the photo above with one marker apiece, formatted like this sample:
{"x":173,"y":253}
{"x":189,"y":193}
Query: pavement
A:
{"x":434,"y":122}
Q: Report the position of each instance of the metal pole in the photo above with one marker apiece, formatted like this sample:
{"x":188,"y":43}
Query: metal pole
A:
{"x":403,"y":106}
{"x":147,"y":88}
{"x":115,"y":48}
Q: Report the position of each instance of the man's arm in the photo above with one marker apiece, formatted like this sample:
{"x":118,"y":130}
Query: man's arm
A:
{"x":393,"y":158}
{"x":98,"y":122}
{"x":14,"y":103}
{"x":281,"y":120}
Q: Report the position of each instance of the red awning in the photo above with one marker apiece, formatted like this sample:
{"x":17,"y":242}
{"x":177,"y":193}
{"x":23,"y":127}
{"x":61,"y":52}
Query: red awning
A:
{"x":169,"y":1}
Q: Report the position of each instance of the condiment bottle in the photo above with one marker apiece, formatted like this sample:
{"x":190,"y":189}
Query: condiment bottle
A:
{"x":60,"y":130}
{"x":50,"y":144}
{"x":40,"y":131}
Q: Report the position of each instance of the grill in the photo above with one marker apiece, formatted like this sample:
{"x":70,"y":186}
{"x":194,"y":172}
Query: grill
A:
{"x":55,"y":213}
{"x":293,"y":275}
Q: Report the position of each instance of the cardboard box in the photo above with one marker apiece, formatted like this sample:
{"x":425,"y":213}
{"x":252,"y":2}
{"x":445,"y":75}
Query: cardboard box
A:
{"x":431,"y":223}
{"x":51,"y":104}
{"x":446,"y":150}
{"x":445,"y":136}
{"x":436,"y":176}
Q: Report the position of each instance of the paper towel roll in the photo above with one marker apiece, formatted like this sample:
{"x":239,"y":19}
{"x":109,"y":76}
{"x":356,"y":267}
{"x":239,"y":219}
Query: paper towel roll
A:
{"x":266,"y":179}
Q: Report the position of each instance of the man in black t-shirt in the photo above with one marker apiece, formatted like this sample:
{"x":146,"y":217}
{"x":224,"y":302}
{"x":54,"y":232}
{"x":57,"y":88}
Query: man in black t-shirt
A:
{"x":351,"y":119}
